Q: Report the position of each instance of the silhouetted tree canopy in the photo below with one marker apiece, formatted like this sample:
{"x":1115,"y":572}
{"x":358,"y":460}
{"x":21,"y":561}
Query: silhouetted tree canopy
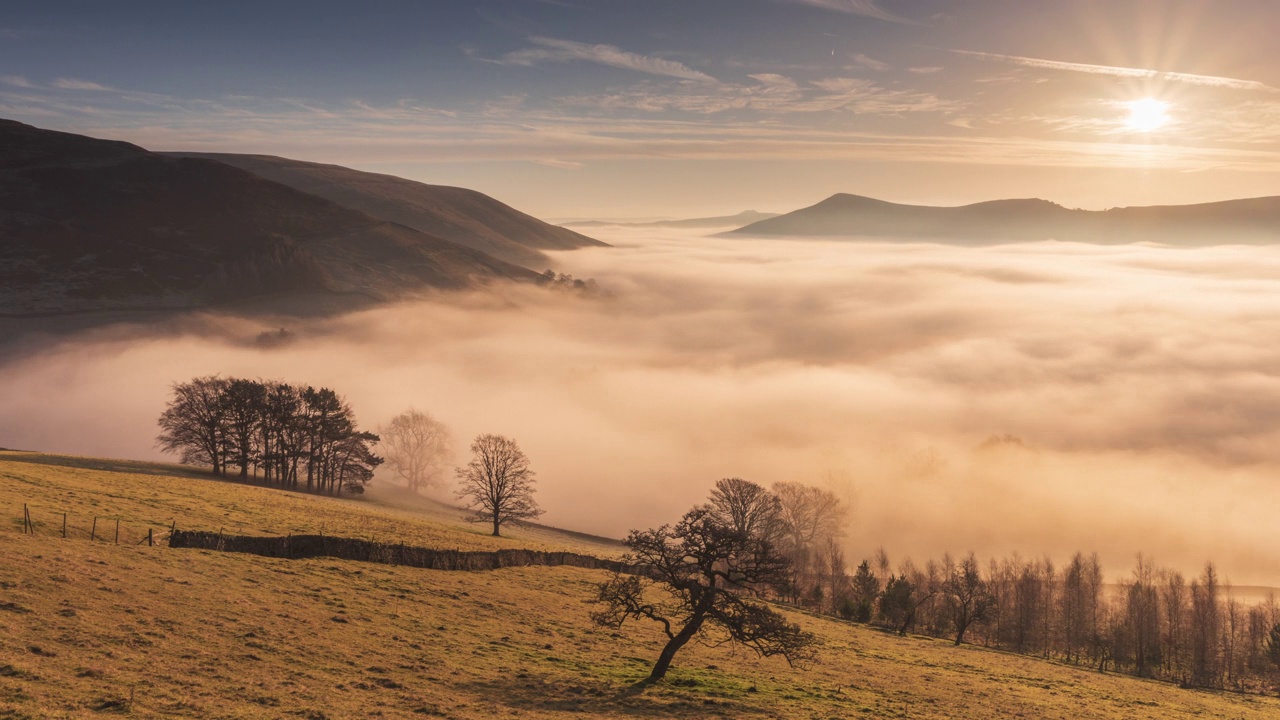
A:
{"x":968,"y":602}
{"x":694,"y":580}
{"x":747,"y":507}
{"x":564,"y":281}
{"x":269,"y":429}
{"x":192,"y":423}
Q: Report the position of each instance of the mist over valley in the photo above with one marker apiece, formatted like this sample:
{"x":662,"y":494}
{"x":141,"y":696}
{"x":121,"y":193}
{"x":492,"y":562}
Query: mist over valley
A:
{"x":1041,"y":398}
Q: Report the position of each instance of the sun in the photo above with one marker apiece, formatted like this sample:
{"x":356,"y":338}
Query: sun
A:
{"x":1147,"y":115}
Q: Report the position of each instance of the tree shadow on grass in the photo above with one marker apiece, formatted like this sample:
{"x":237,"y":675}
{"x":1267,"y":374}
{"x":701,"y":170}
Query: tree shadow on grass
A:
{"x":673,"y":698}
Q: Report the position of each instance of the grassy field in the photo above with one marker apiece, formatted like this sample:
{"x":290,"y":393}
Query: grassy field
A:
{"x":151,"y":495}
{"x":94,"y":628}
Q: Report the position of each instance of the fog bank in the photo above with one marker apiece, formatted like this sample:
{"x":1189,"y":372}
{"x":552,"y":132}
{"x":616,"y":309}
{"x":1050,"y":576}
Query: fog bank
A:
{"x":1039,"y":397}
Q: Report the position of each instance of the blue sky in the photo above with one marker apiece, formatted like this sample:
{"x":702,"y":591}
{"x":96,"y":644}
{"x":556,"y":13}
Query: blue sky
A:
{"x":578,"y":108}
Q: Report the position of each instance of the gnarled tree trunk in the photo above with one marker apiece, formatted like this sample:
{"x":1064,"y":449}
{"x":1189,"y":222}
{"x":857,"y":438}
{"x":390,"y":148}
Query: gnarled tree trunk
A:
{"x":673,"y":646}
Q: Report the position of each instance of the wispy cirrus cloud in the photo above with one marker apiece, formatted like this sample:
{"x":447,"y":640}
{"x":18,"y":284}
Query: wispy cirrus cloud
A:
{"x":870,"y":63}
{"x":770,"y":93}
{"x":555,"y":50}
{"x":1118,"y":71}
{"x":74,"y":84}
{"x":16,"y":81}
{"x":865,"y":8}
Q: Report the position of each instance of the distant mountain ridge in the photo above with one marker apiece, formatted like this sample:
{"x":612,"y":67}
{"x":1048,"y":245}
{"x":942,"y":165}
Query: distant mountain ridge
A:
{"x":466,"y":217}
{"x":89,"y":224}
{"x":745,"y":217}
{"x":1248,"y":221}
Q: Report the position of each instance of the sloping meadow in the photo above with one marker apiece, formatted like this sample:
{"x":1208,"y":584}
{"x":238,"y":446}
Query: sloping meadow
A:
{"x":154,"y":631}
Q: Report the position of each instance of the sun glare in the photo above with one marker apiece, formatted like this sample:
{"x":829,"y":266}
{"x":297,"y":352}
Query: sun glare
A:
{"x":1147,"y":115}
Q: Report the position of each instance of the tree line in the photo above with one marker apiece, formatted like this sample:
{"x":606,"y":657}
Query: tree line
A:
{"x":1157,"y":623}
{"x":292,"y":436}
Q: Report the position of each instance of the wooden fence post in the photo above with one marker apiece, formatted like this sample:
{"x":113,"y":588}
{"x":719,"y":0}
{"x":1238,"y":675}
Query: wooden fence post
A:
{"x":117,"y":531}
{"x":64,"y":526}
{"x":93,"y":534}
{"x":149,"y":540}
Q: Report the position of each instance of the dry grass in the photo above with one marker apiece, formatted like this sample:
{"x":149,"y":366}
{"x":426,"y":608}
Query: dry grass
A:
{"x":85,"y":626}
{"x":143,"y":495}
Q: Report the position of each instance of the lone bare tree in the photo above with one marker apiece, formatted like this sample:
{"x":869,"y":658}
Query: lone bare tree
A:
{"x":416,"y":446}
{"x":703,"y":569}
{"x":498,"y":482}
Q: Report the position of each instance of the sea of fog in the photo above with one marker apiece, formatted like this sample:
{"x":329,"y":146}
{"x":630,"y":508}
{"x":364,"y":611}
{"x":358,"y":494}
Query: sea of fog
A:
{"x":1038,"y":398}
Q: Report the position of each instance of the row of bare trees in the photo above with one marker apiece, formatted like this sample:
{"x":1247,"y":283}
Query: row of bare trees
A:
{"x":294,"y":436}
{"x":1155,"y":624}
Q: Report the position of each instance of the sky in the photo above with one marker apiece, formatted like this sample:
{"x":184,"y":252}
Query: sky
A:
{"x":680,"y":108}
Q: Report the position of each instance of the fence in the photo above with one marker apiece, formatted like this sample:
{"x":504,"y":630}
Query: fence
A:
{"x":107,"y":529}
{"x":111,"y":530}
{"x":312,"y":546}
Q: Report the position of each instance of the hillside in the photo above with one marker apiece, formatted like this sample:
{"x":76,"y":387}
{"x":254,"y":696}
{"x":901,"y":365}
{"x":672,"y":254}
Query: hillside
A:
{"x":160,"y":632}
{"x":89,"y":224}
{"x":459,"y":215}
{"x":1252,"y":221}
{"x":156,"y":495}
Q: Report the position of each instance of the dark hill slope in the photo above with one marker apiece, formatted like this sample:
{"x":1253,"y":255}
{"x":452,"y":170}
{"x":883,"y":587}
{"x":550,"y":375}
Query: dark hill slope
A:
{"x":459,"y":215}
{"x":1254,"y":221}
{"x":89,"y":224}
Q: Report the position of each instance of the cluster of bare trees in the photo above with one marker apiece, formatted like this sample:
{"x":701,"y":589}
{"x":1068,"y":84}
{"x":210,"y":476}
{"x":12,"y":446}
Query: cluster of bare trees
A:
{"x":564,"y":281}
{"x":303,"y":438}
{"x":292,"y":436}
{"x":801,"y":522}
